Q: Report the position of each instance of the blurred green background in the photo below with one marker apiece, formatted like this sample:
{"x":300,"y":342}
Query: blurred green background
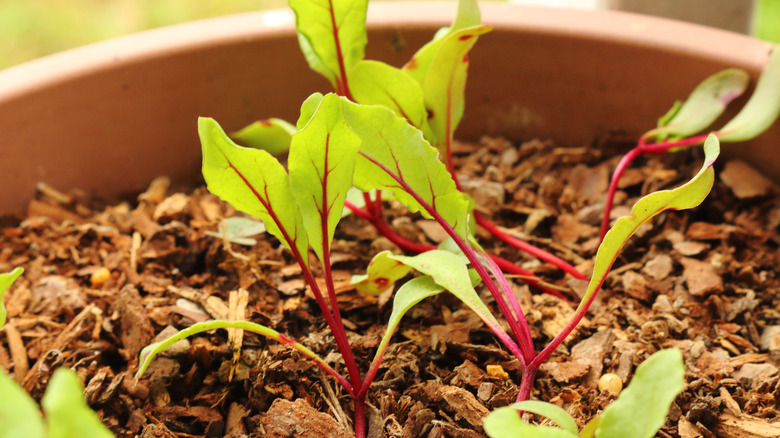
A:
{"x":33,"y":28}
{"x":30,"y":29}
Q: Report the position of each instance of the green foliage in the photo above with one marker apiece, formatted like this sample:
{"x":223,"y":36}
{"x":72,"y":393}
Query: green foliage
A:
{"x":321,"y":164}
{"x":6,"y":280}
{"x":639,"y":411}
{"x":376,"y":83}
{"x":705,"y":104}
{"x":332,"y":36}
{"x":394,"y":156}
{"x":688,"y":195}
{"x":761,"y":110}
{"x":272,"y":135}
{"x":150,"y":351}
{"x":66,"y":412}
{"x":652,"y":390}
{"x":254,"y":182}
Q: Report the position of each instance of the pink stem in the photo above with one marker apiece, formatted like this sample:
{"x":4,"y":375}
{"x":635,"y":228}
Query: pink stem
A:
{"x":526,"y":247}
{"x":641,"y":148}
{"x":527,"y":382}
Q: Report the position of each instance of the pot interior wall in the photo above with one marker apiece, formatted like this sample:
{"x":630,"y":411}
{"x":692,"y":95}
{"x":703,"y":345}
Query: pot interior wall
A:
{"x":112,"y":129}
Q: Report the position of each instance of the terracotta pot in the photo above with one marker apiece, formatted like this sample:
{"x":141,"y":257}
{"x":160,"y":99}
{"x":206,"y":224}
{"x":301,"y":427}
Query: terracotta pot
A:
{"x":110,"y":117}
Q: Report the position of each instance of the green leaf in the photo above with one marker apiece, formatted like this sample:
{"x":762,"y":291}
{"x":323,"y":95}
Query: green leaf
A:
{"x":6,"y":280}
{"x":376,"y":83}
{"x":254,"y":182}
{"x":355,"y":196}
{"x":308,"y":108}
{"x":653,"y":388}
{"x":67,"y":413}
{"x":381,"y":273}
{"x":332,"y":36}
{"x":394,"y":156}
{"x":688,"y":195}
{"x":467,"y":16}
{"x":238,"y":230}
{"x":705,"y":104}
{"x":271,"y":135}
{"x":321,"y":164}
{"x":152,"y":350}
{"x":407,"y":296}
{"x":19,"y":416}
{"x":761,"y":110}
{"x":445,"y":83}
{"x":506,"y":422}
{"x":449,"y":271}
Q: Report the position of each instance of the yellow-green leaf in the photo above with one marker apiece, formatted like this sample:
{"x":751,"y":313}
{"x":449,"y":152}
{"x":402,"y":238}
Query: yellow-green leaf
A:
{"x":688,"y":195}
{"x":254,"y":182}
{"x":332,"y":36}
{"x":6,"y":280}
{"x":381,"y":273}
{"x":271,"y":135}
{"x":321,"y":164}
{"x":67,"y":413}
{"x":376,"y":83}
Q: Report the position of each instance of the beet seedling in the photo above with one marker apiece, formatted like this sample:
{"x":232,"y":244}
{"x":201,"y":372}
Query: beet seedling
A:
{"x":428,"y":91}
{"x":679,"y":127}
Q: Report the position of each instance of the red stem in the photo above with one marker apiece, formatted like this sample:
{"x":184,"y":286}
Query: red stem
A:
{"x":527,"y":382}
{"x":526,"y":247}
{"x":640,"y":149}
{"x":468,"y":252}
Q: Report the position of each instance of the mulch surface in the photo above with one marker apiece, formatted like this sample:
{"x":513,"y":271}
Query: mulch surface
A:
{"x":102,"y":280}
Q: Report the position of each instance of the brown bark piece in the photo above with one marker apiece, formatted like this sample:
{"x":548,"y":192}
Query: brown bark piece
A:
{"x":701,"y":277}
{"x":591,"y":352}
{"x":137,"y":331}
{"x":565,"y":372}
{"x":635,"y":286}
{"x":659,"y":267}
{"x":286,"y":419}
{"x":464,"y":404}
{"x":745,"y":181}
{"x":745,"y":427}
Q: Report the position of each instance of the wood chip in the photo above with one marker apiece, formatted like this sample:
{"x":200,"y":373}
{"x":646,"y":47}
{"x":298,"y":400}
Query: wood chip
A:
{"x":701,"y":277}
{"x":659,"y":267}
{"x":18,"y":351}
{"x":745,"y":426}
{"x":745,"y":181}
{"x":464,"y":404}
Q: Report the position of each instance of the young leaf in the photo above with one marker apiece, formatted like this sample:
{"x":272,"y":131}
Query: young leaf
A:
{"x":705,"y":104}
{"x":6,"y":279}
{"x":238,"y":230}
{"x":407,"y":296}
{"x":381,"y":273}
{"x":332,"y":36}
{"x":445,"y":83}
{"x":762,"y":108}
{"x":656,"y":383}
{"x":19,"y":415}
{"x":254,"y":182}
{"x":506,"y":423}
{"x":449,"y":271}
{"x":376,"y":83}
{"x":308,"y":108}
{"x":67,"y":413}
{"x":394,"y":156}
{"x":321,"y":164}
{"x":152,"y":350}
{"x":271,"y":135}
{"x":467,"y":16}
{"x":688,"y":195}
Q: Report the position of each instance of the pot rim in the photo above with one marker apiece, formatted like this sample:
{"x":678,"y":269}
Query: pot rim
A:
{"x":623,"y":27}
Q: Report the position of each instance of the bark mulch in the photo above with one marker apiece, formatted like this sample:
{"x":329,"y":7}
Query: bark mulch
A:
{"x":104,"y":279}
